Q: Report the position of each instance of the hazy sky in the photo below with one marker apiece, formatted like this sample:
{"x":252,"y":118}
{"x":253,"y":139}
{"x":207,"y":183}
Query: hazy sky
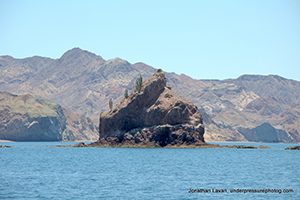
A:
{"x":202,"y":39}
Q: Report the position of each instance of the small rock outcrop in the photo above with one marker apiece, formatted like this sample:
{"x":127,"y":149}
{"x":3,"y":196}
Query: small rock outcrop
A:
{"x":293,"y":148}
{"x":154,"y":117}
{"x":5,"y":146}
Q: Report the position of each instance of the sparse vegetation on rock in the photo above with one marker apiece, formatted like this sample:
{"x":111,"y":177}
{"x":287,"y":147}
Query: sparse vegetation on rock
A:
{"x":139,"y":84}
{"x":110,"y":104}
{"x":126,"y":94}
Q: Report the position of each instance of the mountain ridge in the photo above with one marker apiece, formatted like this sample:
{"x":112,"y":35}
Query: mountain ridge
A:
{"x":84,"y":82}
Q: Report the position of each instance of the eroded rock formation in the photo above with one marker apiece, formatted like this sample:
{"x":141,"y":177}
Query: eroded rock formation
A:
{"x":155,"y":116}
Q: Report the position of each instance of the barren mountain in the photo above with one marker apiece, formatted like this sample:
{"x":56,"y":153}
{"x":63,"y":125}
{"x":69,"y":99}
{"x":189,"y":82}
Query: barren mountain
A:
{"x":232,"y":109}
{"x":79,"y":80}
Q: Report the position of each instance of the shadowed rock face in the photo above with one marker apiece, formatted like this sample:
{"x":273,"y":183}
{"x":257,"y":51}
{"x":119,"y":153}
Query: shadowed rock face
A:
{"x":155,"y":116}
{"x":265,"y":133}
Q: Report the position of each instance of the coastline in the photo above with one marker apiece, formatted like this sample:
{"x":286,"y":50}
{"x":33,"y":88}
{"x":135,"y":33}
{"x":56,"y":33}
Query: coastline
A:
{"x":217,"y":145}
{"x":6,"y":141}
{"x":206,"y":145}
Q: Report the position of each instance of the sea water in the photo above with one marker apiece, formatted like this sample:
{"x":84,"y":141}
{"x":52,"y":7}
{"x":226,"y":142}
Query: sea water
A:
{"x":33,"y":171}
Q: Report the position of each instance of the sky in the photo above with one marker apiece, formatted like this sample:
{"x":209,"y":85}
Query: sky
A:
{"x":215,"y":39}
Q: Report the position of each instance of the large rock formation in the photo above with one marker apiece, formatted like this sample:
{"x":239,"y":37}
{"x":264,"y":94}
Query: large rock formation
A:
{"x":155,"y":116}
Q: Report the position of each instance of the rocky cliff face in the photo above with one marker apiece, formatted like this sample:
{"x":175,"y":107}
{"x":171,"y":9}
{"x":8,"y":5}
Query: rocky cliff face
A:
{"x":30,"y":118}
{"x":33,"y":118}
{"x":155,"y":116}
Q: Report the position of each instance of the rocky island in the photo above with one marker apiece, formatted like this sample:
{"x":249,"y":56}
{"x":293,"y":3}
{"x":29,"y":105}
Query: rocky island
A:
{"x":153,"y":116}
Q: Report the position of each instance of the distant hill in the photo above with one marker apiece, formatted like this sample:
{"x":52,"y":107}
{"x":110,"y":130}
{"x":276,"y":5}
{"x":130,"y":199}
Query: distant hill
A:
{"x":234,"y":108}
{"x":253,"y":100}
{"x":34,"y":118}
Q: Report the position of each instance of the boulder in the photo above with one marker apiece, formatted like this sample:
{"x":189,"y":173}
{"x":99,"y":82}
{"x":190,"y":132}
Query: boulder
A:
{"x":155,"y":116}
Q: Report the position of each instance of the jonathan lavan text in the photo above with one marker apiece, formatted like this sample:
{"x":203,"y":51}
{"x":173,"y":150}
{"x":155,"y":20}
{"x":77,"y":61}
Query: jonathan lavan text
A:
{"x":244,"y":191}
{"x":208,"y":191}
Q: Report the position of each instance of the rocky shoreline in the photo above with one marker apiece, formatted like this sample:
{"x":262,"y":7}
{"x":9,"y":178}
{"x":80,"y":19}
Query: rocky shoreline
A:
{"x":206,"y":145}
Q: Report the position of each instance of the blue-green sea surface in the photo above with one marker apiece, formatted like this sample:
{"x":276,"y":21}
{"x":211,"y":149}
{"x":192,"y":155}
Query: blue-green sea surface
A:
{"x":30,"y":171}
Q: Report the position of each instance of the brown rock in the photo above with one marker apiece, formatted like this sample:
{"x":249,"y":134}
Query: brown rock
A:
{"x":80,"y":144}
{"x":5,"y":146}
{"x":293,"y":148}
{"x":155,"y":116}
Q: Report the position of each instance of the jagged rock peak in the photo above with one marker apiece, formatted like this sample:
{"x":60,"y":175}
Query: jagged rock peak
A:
{"x":153,"y":116}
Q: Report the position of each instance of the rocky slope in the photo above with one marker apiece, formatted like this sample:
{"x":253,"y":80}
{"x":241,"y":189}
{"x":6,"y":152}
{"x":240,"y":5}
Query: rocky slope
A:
{"x":154,"y":116}
{"x":79,"y":127}
{"x":257,"y":100}
{"x":33,"y":118}
{"x":79,"y":80}
{"x":83,"y":83}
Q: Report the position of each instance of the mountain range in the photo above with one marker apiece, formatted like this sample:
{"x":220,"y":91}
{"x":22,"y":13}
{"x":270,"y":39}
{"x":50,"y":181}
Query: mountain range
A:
{"x":250,"y":108}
